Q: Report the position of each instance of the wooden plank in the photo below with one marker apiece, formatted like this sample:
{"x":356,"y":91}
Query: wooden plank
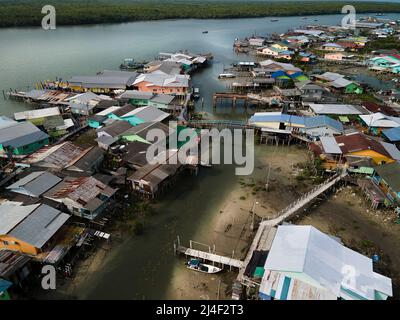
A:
{"x":211,"y":257}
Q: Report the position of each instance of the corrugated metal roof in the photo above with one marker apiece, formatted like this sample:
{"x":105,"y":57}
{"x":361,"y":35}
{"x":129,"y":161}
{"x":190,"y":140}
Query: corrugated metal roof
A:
{"x":21,"y":134}
{"x":135,"y":94}
{"x":320,"y":121}
{"x":11,"y":261}
{"x":393,"y":135}
{"x":339,"y":109}
{"x":391,"y":174}
{"x":380,"y":120}
{"x":162,"y":98}
{"x":392,"y":150}
{"x":37,"y":113}
{"x":107,"y":111}
{"x":11,"y":215}
{"x":35,"y":184}
{"x":40,"y":226}
{"x":306,"y":250}
{"x":330,"y":145}
{"x":149,"y":114}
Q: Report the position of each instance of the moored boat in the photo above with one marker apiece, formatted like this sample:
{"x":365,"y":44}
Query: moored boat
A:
{"x":196,"y":265}
{"x":226,"y":75}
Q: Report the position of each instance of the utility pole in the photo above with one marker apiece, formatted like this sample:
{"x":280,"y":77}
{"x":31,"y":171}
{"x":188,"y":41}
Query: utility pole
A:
{"x":267,"y":184}
{"x":252,"y":215}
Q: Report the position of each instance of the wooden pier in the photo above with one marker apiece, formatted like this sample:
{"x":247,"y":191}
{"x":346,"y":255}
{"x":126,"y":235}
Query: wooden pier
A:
{"x":211,"y":255}
{"x":234,"y":97}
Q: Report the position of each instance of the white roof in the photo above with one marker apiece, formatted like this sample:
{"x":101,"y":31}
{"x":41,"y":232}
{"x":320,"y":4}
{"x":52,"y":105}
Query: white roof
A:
{"x":391,"y":149}
{"x":330,"y":145}
{"x":341,"y":83}
{"x":107,"y":111}
{"x":306,"y":250}
{"x":284,"y":66}
{"x":332,"y":76}
{"x":68,"y":123}
{"x":11,"y":215}
{"x":35,"y":114}
{"x":340,"y":109}
{"x":164,"y":80}
{"x":381,"y":120}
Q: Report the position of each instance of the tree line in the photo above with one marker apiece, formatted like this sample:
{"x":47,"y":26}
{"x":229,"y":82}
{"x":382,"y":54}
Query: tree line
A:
{"x":18,"y":13}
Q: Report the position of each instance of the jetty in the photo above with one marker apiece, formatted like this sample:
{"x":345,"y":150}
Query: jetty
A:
{"x":233,"y":97}
{"x":210,"y":256}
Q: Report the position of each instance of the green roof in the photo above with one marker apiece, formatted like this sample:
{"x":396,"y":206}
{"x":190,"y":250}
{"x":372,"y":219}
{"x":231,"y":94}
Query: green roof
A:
{"x":363,"y":170}
{"x":302,"y":78}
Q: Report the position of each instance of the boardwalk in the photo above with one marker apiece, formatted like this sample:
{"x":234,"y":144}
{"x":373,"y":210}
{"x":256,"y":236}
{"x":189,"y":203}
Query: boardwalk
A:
{"x":224,"y":261}
{"x":230,"y":96}
{"x":221,"y":124}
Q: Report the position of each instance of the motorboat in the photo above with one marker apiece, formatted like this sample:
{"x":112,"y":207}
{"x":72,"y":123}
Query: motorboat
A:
{"x":196,"y":265}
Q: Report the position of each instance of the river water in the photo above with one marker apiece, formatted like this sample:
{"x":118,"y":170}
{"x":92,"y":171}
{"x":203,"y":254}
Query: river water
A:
{"x":141,"y":267}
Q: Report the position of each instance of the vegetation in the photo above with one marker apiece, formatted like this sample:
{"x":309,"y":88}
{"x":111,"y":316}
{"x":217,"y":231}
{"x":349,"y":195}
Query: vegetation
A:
{"x":73,"y":12}
{"x":389,"y":43}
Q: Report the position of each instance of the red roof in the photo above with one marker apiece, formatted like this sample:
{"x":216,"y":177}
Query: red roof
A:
{"x":359,"y":142}
{"x":374,"y":107}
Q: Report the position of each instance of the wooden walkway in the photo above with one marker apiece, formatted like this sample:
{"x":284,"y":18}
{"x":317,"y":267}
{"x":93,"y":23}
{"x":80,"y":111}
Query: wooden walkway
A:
{"x":208,"y":256}
{"x":230,"y":96}
{"x":221,"y":124}
{"x":224,"y":261}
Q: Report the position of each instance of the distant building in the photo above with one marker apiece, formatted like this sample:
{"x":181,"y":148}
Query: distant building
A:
{"x":332,"y":47}
{"x":177,"y":84}
{"x":104,"y":82}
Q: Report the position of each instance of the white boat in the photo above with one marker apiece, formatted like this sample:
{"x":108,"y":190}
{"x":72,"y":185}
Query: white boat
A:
{"x":196,"y":265}
{"x":196,"y":93}
{"x":205,"y":164}
{"x":226,"y":75}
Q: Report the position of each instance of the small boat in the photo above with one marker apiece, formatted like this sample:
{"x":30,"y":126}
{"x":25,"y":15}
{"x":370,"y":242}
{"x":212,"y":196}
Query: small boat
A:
{"x":274,"y":20}
{"x":205,"y":31}
{"x":226,"y":75}
{"x":205,"y":164}
{"x":304,"y":18}
{"x":196,"y":265}
{"x":196,"y":93}
{"x":131,"y":64}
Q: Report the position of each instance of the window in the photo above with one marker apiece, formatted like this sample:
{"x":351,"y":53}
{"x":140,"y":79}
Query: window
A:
{"x":6,"y":243}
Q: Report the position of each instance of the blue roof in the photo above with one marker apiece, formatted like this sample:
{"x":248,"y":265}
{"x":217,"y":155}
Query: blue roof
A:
{"x":278,"y":118}
{"x":278,"y":74}
{"x":296,"y":74}
{"x":393,"y":134}
{"x":318,"y":121}
{"x":286,"y":52}
{"x":4,"y":285}
{"x":307,"y":122}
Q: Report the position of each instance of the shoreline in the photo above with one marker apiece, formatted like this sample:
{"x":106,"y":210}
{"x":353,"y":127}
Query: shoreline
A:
{"x":207,"y":11}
